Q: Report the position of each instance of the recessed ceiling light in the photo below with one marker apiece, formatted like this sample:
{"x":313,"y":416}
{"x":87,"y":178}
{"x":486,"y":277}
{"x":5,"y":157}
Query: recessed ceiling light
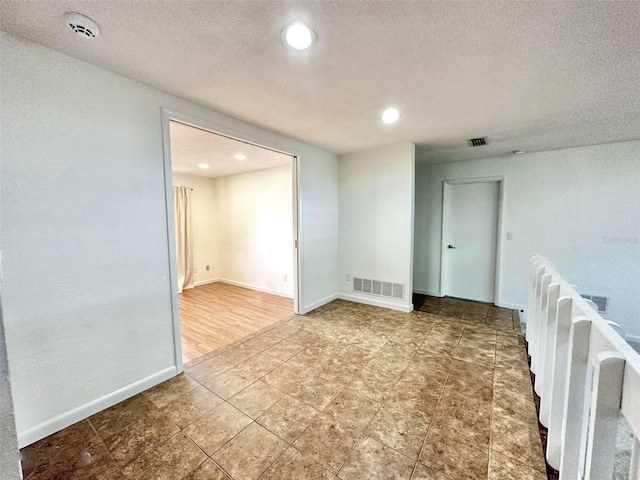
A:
{"x":390,"y":115}
{"x":299,"y":36}
{"x":203,"y":166}
{"x":518,"y":152}
{"x":239,"y":156}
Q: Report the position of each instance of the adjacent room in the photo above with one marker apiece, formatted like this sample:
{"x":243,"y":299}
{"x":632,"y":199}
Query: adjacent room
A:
{"x":234,"y":237}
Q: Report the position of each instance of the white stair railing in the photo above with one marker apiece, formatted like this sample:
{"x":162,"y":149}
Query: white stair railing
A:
{"x":586,"y":375}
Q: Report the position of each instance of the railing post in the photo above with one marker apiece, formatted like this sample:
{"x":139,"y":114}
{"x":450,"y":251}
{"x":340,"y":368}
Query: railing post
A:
{"x":535,"y":263}
{"x":574,"y":398}
{"x":533,"y":342}
{"x":559,"y":380}
{"x":549,"y":340}
{"x":634,"y":470}
{"x":603,"y":422}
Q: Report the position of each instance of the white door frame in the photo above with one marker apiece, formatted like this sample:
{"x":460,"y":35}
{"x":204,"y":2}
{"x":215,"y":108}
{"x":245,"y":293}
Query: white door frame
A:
{"x":167,"y":116}
{"x":445,"y":224}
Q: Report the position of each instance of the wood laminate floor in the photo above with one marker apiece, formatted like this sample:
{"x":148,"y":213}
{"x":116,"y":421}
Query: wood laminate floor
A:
{"x":215,"y":315}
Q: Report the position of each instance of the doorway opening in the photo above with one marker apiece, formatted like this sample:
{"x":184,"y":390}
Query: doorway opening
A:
{"x":234,"y":226}
{"x":471,"y":239}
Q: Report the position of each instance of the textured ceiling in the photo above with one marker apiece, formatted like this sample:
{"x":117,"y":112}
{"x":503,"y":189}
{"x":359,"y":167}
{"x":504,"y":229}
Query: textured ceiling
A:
{"x":528,"y":75}
{"x":191,"y":146}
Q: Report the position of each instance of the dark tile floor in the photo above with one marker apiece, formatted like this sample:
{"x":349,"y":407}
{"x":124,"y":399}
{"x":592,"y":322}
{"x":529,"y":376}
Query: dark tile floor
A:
{"x":346,"y":392}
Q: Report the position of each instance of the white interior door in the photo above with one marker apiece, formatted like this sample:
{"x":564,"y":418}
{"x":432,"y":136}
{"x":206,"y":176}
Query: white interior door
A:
{"x":469,"y":239}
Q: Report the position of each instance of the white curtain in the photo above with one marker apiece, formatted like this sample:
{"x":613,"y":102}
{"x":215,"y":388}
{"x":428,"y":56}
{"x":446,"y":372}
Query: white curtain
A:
{"x":184,"y":252}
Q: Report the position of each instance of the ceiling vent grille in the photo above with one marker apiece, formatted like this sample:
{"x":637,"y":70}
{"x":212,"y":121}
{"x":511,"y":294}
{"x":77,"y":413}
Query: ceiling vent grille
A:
{"x":378,"y":288}
{"x":601,"y":302}
{"x":477,"y":142}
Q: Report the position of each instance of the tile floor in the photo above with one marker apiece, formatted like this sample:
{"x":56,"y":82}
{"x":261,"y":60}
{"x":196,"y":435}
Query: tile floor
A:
{"x":346,"y":392}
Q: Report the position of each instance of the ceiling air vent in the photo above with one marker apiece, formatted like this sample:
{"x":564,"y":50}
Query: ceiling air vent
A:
{"x":477,"y":142}
{"x":83,"y":26}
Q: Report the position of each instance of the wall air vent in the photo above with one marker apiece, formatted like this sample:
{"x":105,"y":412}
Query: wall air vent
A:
{"x":477,"y":142}
{"x":378,"y":288}
{"x":601,"y":302}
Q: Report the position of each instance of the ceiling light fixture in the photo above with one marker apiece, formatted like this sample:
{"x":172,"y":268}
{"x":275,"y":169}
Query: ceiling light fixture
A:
{"x":299,"y":36}
{"x":390,"y":115}
{"x":203,"y":166}
{"x":240,"y":156}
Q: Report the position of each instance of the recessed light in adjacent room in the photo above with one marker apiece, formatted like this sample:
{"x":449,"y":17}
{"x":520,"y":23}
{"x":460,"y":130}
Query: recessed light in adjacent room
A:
{"x":390,"y":115}
{"x":518,"y":152}
{"x":203,"y":166}
{"x":240,"y":156}
{"x":299,"y":36}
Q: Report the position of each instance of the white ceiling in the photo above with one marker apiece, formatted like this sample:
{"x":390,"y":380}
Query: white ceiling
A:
{"x":191,"y":146}
{"x":528,"y":75}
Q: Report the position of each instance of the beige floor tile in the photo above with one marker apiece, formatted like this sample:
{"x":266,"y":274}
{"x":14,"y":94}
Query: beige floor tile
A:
{"x":208,"y":470}
{"x":376,"y":384}
{"x":260,"y":364}
{"x":256,"y":398}
{"x":353,"y":408}
{"x":109,"y":421}
{"x":169,"y":391}
{"x":216,"y":428}
{"x":250,"y":453}
{"x":294,"y":465}
{"x":502,"y":467}
{"x":373,"y":460}
{"x":192,"y":405}
{"x":399,"y":430}
{"x":286,"y":376}
{"x":422,"y":472}
{"x":518,"y":441}
{"x":172,"y":460}
{"x":288,"y":418}
{"x":473,"y":426}
{"x":130,"y":442}
{"x":284,"y":350}
{"x":317,"y":392}
{"x":227,"y":384}
{"x":454,"y":456}
{"x":327,"y":441}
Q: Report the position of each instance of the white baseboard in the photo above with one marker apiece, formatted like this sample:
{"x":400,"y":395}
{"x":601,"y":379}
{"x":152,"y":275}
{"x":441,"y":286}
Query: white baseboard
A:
{"x":376,"y":302}
{"x":427,"y":292}
{"x":84,"y":411}
{"x":205,"y":282}
{"x":512,"y":306}
{"x":256,"y":288}
{"x":319,"y":303}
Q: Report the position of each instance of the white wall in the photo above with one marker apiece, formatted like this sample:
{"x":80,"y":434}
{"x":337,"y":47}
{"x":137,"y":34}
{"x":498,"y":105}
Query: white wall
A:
{"x":579,"y":207}
{"x":86,"y":279}
{"x":205,"y":225}
{"x":256,"y":229}
{"x":376,"y":220}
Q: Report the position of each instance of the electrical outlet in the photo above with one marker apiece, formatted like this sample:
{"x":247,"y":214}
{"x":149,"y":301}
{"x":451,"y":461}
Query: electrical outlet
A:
{"x":207,"y":268}
{"x":284,"y":277}
{"x":509,"y":236}
{"x":347,"y":277}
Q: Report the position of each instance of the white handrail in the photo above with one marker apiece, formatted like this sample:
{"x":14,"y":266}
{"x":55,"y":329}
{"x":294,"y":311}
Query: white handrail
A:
{"x":586,"y":375}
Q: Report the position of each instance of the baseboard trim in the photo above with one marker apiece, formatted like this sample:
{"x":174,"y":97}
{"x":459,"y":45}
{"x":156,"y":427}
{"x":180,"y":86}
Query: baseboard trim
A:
{"x":205,"y":282}
{"x":255,"y":287}
{"x":318,"y":304}
{"x":512,"y":306}
{"x":428,"y":292}
{"x":376,"y":302}
{"x":84,"y":411}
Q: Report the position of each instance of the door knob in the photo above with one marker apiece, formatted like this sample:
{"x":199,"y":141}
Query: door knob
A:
{"x":450,"y":246}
